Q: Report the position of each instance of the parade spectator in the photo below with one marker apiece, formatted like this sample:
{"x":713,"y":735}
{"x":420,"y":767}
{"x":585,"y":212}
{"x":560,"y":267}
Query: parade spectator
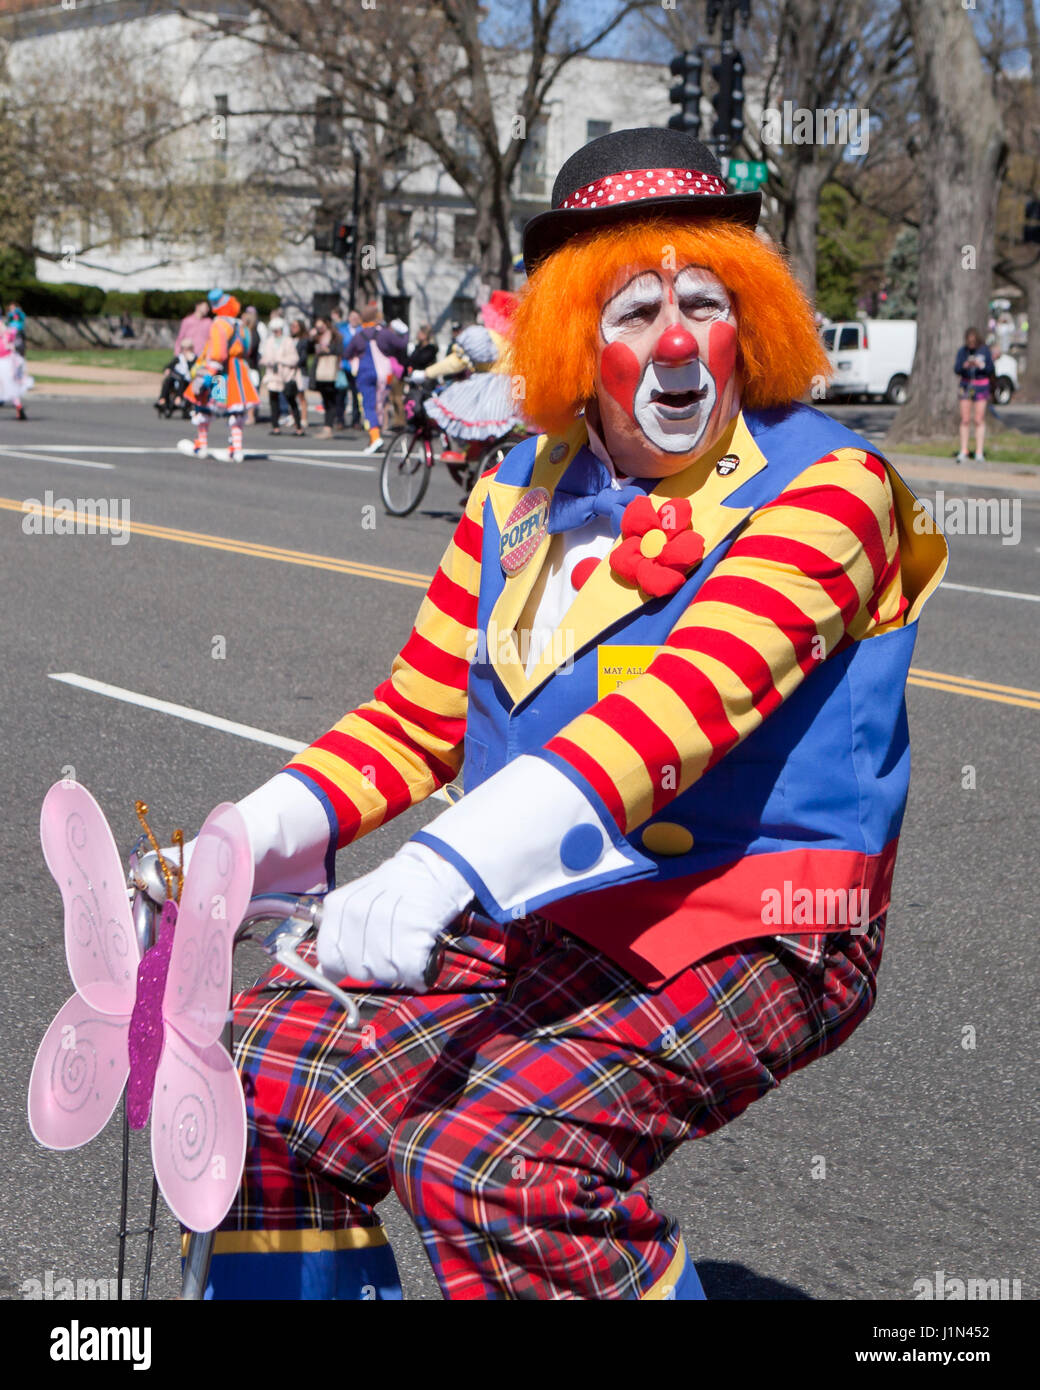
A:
{"x":279,"y":359}
{"x":398,"y":359}
{"x":350,"y":366}
{"x":194,"y":329}
{"x":339,"y":322}
{"x":250,"y":322}
{"x":425,"y":351}
{"x":176,"y":376}
{"x":328,"y":369}
{"x":304,"y":348}
{"x":974,"y":366}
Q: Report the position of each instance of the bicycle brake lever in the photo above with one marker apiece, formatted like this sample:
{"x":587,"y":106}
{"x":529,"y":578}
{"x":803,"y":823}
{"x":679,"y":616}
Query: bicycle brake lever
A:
{"x":281,"y":944}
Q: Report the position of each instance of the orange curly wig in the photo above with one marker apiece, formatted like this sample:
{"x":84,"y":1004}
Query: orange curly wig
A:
{"x":555,"y":336}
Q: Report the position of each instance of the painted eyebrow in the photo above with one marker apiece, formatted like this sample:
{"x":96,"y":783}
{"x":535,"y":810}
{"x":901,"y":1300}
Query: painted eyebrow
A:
{"x":715,"y":287}
{"x":626,"y":287}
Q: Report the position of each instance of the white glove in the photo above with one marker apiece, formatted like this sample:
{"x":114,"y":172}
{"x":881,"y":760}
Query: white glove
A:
{"x":417,"y":376}
{"x":384,"y":926}
{"x":289,"y":834}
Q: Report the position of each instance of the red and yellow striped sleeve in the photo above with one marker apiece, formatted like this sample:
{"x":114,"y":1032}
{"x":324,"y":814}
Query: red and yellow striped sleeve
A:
{"x":407,"y":741}
{"x":816,"y":568}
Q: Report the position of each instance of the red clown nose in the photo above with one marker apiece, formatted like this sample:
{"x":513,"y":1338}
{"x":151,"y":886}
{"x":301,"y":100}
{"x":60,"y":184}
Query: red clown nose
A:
{"x":675,"y":346}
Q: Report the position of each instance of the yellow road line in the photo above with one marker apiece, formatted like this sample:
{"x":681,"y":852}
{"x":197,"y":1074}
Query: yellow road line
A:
{"x":976,"y":684}
{"x":357,"y":568}
{"x":969,"y":690}
{"x":927,"y":680}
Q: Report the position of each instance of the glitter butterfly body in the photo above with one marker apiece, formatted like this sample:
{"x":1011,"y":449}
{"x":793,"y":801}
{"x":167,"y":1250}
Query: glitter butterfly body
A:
{"x":149,"y":1023}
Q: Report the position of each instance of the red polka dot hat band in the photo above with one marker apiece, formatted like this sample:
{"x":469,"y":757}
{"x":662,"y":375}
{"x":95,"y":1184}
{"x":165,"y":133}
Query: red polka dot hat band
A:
{"x":643,"y":183}
{"x":635,"y":174}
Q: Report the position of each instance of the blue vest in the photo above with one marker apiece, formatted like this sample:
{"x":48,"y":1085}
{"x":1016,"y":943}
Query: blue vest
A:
{"x":812,"y":799}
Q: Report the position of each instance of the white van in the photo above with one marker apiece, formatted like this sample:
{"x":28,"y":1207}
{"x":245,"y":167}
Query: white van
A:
{"x":873,"y":357}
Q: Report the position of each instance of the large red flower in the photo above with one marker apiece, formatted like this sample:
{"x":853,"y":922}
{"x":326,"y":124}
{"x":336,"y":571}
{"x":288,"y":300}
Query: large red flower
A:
{"x":659,"y":546}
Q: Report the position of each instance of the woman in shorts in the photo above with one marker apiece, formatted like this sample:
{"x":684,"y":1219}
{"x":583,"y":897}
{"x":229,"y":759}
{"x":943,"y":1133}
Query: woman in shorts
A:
{"x":974,"y":367}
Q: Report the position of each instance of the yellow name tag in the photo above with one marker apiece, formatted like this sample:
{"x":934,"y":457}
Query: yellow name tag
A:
{"x":620,"y":664}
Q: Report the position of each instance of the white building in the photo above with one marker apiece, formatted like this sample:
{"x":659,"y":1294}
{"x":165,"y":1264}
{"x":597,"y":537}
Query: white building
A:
{"x":422,"y":258}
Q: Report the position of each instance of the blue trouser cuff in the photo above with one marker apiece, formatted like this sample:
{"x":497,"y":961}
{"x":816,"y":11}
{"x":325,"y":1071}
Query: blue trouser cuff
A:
{"x":368,"y":1274}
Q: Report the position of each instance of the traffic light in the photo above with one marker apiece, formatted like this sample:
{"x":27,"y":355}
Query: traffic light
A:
{"x":1031,"y":230}
{"x":686,"y":93}
{"x":343,"y":241}
{"x":728,"y":100}
{"x":736,"y":101}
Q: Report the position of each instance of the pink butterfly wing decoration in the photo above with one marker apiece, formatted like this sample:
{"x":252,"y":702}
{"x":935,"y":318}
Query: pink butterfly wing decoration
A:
{"x":198,"y":1111}
{"x":156,"y":1020}
{"x":82,"y":1064}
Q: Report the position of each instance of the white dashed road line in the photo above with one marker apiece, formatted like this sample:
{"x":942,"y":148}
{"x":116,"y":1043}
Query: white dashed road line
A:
{"x":35,"y":457}
{"x":192,"y":716}
{"x":994,"y":593}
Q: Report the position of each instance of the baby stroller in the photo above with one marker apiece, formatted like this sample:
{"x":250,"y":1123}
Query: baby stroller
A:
{"x":176,"y":376}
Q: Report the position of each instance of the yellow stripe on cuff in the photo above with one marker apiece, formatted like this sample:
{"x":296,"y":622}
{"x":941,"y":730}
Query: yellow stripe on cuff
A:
{"x":664,"y":1288}
{"x":279,"y":1242}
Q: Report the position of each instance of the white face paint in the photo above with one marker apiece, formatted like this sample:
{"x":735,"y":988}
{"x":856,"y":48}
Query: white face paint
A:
{"x":672,"y":405}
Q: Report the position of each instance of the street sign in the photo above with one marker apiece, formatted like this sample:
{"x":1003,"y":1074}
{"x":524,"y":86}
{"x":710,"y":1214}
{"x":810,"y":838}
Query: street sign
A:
{"x":744,"y":175}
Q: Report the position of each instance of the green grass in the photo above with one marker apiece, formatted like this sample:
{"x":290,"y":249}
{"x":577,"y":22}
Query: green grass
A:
{"x":1009,"y":446}
{"x":63,"y":380}
{"x":132,"y":359}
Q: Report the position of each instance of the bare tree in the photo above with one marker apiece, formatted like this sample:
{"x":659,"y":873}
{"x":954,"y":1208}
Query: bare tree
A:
{"x":1020,"y":262}
{"x":467,"y":86}
{"x":837,"y":59}
{"x":826,"y":56}
{"x":961,"y":162}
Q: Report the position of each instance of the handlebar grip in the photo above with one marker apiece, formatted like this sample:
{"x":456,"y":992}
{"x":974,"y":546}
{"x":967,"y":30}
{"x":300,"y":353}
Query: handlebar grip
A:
{"x":434,"y":964}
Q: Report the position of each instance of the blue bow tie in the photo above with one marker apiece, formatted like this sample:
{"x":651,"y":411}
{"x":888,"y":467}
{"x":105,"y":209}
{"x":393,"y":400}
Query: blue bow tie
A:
{"x":585,"y":493}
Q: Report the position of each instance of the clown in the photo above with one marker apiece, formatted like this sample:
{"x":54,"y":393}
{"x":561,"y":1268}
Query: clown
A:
{"x":657,"y":624}
{"x":221,"y":382}
{"x":481,"y":408}
{"x":15,"y":381}
{"x":379,"y":351}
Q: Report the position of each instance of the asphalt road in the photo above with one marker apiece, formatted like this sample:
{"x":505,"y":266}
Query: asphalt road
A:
{"x":929,"y":1144}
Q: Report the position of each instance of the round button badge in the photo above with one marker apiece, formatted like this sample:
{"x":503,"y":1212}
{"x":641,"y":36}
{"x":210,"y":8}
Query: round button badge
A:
{"x":525,"y":526}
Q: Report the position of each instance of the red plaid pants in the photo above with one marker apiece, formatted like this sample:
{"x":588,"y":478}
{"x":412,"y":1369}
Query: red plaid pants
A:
{"x":519,"y":1108}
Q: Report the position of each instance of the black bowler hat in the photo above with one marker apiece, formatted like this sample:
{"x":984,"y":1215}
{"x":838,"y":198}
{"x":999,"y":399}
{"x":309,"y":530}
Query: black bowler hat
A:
{"x":632,"y":173}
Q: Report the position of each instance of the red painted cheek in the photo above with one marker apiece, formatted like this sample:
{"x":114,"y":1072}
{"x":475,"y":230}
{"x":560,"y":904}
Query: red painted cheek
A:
{"x":620,"y":370}
{"x":722,"y":353}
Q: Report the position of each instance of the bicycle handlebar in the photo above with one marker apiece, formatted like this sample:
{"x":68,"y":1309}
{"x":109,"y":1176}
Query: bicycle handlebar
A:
{"x":295,"y":914}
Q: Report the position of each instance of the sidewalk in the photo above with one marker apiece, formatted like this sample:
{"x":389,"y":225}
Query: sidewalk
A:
{"x":75,"y":379}
{"x":1017,"y":477}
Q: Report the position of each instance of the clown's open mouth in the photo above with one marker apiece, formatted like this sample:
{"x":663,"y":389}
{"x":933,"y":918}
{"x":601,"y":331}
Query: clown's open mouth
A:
{"x":678,"y":400}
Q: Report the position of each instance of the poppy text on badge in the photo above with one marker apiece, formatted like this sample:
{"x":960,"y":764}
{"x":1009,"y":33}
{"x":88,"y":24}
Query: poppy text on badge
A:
{"x":524,"y":530}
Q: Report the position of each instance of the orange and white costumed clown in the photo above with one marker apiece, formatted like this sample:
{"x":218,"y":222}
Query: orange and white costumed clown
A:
{"x":221,"y":384}
{"x":666,"y":650}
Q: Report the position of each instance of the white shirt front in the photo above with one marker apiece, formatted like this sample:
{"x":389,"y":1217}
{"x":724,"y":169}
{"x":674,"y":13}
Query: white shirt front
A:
{"x":566,"y":550}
